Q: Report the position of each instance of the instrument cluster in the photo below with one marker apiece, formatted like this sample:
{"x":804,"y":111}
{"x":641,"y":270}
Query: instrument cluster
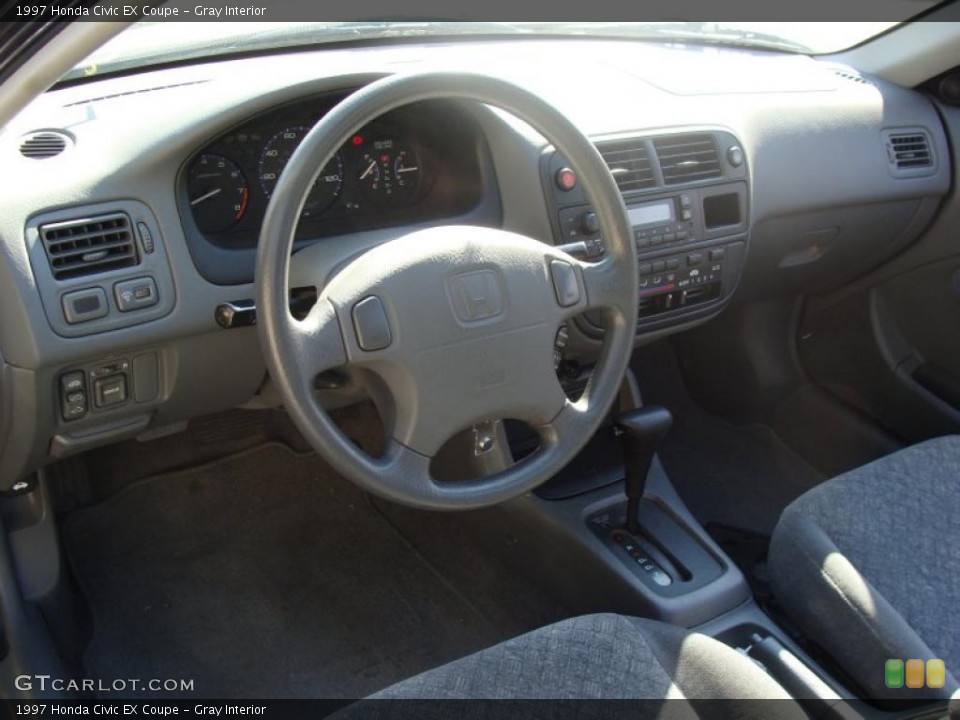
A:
{"x":384,"y":175}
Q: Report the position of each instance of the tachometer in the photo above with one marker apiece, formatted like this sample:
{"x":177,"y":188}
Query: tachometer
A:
{"x":274,"y":159}
{"x":218,"y":192}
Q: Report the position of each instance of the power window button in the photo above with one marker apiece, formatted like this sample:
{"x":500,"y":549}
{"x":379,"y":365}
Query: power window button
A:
{"x":110,"y":391}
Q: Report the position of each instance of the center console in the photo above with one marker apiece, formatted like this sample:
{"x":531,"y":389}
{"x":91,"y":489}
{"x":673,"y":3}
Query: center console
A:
{"x":612,"y":515}
{"x":687,"y":198}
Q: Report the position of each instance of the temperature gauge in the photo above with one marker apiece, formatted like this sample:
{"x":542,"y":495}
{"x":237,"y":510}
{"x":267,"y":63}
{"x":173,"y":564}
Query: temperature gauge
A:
{"x":406,"y":172}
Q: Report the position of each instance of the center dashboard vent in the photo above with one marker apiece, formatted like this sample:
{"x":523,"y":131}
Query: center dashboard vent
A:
{"x":76,"y":248}
{"x":629,"y":163}
{"x":687,"y":158}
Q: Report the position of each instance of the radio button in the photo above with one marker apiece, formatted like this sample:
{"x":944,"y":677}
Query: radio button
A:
{"x":716,"y":254}
{"x":673,"y":264}
{"x":694,"y":259}
{"x":686,"y":215}
{"x":644,"y":268}
{"x":682,"y":235}
{"x":685,"y":200}
{"x":669,"y":237}
{"x":656,"y":239}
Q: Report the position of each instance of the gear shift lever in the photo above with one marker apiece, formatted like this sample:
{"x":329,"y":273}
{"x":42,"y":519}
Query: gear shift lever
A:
{"x":640,"y":433}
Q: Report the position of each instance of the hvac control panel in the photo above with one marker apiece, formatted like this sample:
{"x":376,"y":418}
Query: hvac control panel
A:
{"x":686,"y":196}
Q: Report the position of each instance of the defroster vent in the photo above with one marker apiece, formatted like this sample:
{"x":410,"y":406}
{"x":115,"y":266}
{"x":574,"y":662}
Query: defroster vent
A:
{"x":629,"y":162}
{"x":76,"y":248}
{"x":687,"y":158}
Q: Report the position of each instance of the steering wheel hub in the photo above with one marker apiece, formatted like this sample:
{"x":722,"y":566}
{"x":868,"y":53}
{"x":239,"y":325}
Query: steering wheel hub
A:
{"x":465,"y":319}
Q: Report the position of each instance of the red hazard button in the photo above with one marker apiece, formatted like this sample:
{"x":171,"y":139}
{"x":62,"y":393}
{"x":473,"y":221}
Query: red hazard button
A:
{"x":566,"y":179}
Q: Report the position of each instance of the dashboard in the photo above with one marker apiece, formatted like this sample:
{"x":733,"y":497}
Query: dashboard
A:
{"x":417,"y":164}
{"x":119,"y":250}
{"x":413,"y":162}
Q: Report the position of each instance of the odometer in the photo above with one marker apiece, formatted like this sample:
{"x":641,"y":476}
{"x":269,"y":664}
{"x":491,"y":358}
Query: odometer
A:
{"x":276,"y":154}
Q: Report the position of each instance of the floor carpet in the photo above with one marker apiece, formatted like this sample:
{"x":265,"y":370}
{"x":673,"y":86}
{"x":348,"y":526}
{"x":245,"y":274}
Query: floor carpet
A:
{"x":739,"y":476}
{"x":262,"y":574}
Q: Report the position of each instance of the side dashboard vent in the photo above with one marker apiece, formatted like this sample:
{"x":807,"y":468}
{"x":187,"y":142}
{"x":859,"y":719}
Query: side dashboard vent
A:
{"x":687,"y":158}
{"x":40,"y":145}
{"x":629,"y":163}
{"x":908,"y":152}
{"x":76,"y":248}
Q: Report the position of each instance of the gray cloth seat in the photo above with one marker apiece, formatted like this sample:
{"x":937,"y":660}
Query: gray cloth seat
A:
{"x":609,"y":657}
{"x":868,"y":566}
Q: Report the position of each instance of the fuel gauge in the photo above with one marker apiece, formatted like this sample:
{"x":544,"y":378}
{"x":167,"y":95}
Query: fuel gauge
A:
{"x":373,"y":167}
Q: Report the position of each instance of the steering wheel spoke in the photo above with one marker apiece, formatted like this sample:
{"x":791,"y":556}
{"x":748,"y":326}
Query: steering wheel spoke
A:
{"x":572,"y":420}
{"x":603,"y":282}
{"x":317,"y":340}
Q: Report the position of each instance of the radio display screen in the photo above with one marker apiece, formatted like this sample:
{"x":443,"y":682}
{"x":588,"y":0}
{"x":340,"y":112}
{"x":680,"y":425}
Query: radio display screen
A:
{"x":651,"y":213}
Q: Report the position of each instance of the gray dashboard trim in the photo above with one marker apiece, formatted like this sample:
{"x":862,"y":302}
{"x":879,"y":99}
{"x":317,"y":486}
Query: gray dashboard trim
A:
{"x":808,"y":151}
{"x":154,"y":265}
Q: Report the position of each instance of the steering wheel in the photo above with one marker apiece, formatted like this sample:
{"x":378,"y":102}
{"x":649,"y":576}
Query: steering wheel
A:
{"x":455,"y":324}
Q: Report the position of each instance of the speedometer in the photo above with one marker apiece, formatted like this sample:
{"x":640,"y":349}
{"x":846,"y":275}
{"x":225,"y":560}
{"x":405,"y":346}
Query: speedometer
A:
{"x":276,"y":154}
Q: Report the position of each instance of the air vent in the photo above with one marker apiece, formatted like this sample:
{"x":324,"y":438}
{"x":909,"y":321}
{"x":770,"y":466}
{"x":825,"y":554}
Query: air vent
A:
{"x":40,"y":145}
{"x":629,"y":163}
{"x":76,"y":248}
{"x":687,"y":158}
{"x":851,"y":75}
{"x":909,"y":151}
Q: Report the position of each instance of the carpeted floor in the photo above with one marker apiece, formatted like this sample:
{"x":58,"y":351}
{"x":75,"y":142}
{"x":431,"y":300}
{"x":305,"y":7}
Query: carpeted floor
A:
{"x":262,"y":574}
{"x":739,"y":476}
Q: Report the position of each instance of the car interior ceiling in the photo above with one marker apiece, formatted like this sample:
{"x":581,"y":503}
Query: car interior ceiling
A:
{"x":167,"y":513}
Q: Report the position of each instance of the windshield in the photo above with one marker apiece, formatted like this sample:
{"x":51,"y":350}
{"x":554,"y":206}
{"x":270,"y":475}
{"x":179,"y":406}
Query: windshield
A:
{"x":148,"y":43}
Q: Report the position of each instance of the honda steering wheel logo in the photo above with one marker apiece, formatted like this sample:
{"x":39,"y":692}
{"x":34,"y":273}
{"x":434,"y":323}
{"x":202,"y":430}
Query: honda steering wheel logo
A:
{"x":476,"y":296}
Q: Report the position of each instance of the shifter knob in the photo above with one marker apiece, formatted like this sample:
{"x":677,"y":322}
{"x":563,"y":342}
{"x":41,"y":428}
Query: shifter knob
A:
{"x":640,"y":433}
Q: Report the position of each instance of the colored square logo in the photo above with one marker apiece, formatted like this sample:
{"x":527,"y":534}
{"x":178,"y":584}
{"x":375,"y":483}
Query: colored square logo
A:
{"x":893,"y":673}
{"x":936,"y":673}
{"x":915,"y":673}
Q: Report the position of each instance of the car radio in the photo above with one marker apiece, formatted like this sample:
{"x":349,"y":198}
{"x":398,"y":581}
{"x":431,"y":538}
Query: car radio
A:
{"x":663,"y":221}
{"x":685,"y":217}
